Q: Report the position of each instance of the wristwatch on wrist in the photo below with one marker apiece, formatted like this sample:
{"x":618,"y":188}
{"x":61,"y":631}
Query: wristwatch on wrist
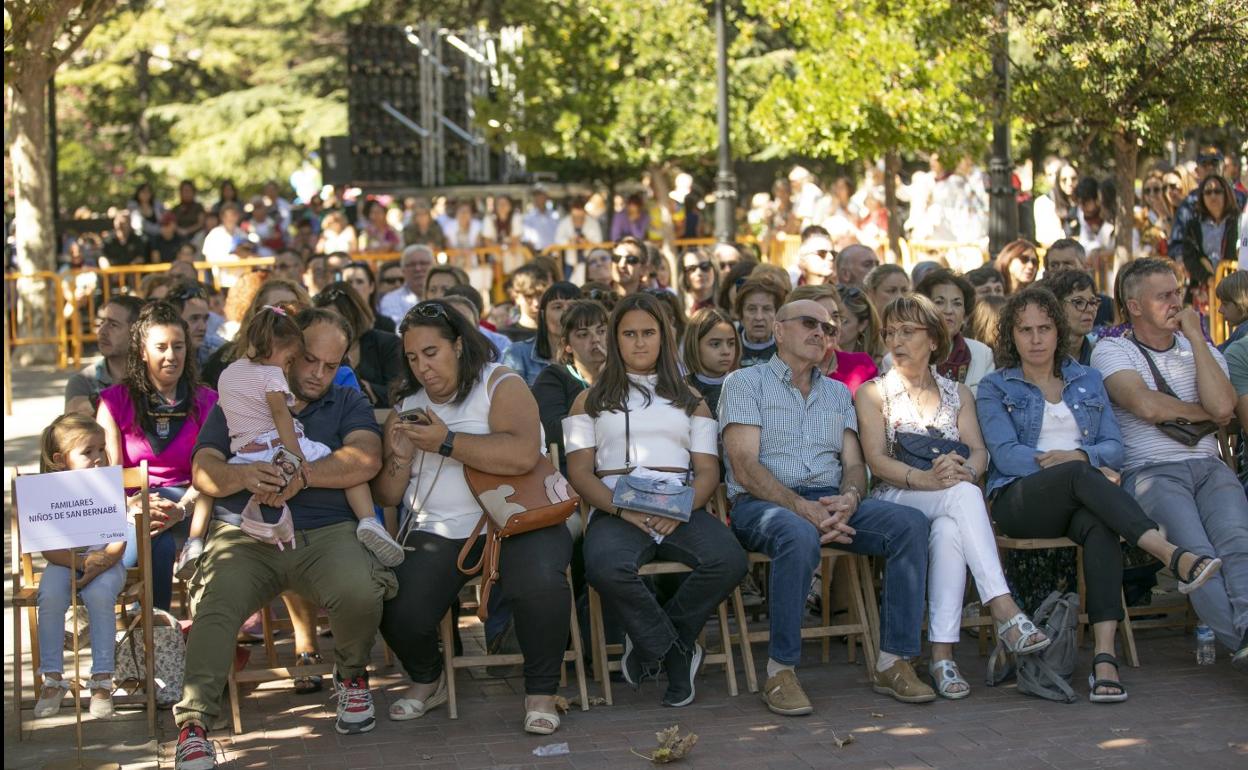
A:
{"x":448,"y":444}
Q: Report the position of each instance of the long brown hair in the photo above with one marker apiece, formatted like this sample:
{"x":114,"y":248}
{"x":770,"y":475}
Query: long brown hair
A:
{"x":609,"y":393}
{"x":137,"y":382}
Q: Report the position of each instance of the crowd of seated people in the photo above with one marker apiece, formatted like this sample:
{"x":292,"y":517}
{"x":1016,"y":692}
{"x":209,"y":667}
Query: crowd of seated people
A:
{"x":803,"y":394}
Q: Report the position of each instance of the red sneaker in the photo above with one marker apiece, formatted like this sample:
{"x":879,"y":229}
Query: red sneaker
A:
{"x":195,"y":751}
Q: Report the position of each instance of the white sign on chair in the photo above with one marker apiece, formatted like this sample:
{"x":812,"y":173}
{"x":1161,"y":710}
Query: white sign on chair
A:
{"x":71,"y":509}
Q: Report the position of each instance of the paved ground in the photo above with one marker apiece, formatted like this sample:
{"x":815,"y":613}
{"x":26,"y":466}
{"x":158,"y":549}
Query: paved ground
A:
{"x":1179,"y":715}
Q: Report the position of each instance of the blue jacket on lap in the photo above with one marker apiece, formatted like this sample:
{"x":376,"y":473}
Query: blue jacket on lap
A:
{"x":1011,"y":413}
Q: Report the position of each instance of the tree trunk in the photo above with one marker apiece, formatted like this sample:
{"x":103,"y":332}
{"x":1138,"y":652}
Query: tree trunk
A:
{"x":1126,"y":158}
{"x":32,"y":178}
{"x":143,"y":90}
{"x":892,"y":167}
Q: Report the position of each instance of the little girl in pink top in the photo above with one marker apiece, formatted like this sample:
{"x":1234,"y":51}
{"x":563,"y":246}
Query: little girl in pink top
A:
{"x":255,"y":397}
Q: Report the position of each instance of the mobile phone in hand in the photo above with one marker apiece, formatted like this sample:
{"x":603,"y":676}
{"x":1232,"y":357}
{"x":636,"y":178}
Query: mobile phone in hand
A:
{"x":415,"y":417}
{"x":287,"y":463}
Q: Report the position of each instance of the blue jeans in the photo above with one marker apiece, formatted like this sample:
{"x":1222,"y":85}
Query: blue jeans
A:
{"x":897,"y":532}
{"x":164,"y":553}
{"x":1202,"y":506}
{"x":99,"y":597}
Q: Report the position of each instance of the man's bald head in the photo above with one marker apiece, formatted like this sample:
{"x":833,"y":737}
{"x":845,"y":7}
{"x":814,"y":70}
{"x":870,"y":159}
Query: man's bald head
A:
{"x":853,"y":263}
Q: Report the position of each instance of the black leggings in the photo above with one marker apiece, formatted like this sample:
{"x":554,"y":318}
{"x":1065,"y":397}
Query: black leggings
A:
{"x":533,"y":583}
{"x":1075,"y":500}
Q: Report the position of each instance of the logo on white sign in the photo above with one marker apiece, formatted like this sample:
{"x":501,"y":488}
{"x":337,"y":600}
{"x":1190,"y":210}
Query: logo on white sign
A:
{"x":71,"y":509}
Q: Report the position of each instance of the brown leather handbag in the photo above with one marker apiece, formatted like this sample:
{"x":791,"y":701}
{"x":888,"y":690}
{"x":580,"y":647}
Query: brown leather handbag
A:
{"x":513,"y":505}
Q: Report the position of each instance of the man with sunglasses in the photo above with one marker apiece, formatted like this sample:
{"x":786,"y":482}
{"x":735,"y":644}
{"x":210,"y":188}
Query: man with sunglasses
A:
{"x":797,"y":480}
{"x":630,"y":264}
{"x":1068,"y":254}
{"x":416,"y":261}
{"x":816,"y":261}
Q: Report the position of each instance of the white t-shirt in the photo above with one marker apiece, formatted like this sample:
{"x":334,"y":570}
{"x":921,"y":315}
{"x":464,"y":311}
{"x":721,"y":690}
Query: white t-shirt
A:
{"x":1058,"y":430}
{"x":1144,"y":442}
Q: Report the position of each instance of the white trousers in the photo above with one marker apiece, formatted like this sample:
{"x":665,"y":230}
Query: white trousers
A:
{"x":961,"y":537}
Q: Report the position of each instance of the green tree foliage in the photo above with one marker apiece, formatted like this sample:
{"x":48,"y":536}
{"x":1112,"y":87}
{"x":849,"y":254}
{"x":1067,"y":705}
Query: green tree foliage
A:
{"x":866,"y":78}
{"x":611,"y":88}
{"x":1131,"y":72}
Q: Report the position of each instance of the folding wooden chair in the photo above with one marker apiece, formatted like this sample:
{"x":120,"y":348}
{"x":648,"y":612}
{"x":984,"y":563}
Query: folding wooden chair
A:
{"x":138,"y":588}
{"x":1125,"y":630}
{"x":864,"y":622}
{"x":451,"y":661}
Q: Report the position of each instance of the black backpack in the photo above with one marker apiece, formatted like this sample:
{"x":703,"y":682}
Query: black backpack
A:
{"x":1045,"y":674}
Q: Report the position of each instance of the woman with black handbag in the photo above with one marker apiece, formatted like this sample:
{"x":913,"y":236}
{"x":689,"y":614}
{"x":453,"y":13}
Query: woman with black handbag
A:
{"x":643,"y":451}
{"x":459,"y":410}
{"x":921,"y":439}
{"x":1054,"y":441}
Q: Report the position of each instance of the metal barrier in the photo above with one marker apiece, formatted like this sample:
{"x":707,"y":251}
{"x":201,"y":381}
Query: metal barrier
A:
{"x":26,"y":323}
{"x":1219,"y":329}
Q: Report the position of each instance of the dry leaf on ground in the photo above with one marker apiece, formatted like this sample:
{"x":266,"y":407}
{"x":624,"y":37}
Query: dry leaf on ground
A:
{"x":672,"y":746}
{"x":841,"y":742}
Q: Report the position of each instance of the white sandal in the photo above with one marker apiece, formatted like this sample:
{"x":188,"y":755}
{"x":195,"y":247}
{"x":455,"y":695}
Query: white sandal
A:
{"x":101,"y":708}
{"x":532,"y":718}
{"x":1026,"y":630}
{"x":945,"y":674}
{"x":49,"y":704}
{"x":404,"y":709}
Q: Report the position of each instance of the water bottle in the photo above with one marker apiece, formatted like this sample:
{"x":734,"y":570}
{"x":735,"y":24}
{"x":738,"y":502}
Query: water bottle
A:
{"x":1206,"y":651}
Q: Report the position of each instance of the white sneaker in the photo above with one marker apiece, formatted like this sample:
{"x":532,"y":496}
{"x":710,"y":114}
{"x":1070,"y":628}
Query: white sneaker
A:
{"x":375,"y":538}
{"x":188,"y":560}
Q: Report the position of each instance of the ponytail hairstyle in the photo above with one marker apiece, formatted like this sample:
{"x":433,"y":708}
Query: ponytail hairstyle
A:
{"x":271,"y":328}
{"x":65,"y":433}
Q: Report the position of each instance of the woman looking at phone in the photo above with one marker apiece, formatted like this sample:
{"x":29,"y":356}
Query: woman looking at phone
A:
{"x":640,"y":414}
{"x":458,"y":408}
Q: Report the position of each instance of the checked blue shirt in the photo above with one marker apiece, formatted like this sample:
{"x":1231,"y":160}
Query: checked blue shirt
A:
{"x":800,"y":438}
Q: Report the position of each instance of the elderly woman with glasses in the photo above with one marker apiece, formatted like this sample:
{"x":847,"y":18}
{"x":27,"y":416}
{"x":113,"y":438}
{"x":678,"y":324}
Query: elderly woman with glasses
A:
{"x":905,"y":418}
{"x":460,"y":409}
{"x":1076,"y":293}
{"x":1054,"y":441}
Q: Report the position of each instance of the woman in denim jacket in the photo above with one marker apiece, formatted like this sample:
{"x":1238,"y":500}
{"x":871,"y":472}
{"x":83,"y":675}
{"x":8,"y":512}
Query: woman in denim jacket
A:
{"x":1053,"y":441}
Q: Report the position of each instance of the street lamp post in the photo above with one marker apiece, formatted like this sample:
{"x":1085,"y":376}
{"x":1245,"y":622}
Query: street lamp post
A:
{"x":1003,"y":206}
{"x":725,"y":180}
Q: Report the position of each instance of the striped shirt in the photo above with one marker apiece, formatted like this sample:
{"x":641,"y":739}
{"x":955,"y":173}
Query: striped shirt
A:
{"x":1143,"y":441}
{"x":243,"y":388}
{"x":800,"y":438}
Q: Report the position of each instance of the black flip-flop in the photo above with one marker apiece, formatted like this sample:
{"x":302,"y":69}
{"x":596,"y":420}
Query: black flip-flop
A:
{"x":1093,"y":682}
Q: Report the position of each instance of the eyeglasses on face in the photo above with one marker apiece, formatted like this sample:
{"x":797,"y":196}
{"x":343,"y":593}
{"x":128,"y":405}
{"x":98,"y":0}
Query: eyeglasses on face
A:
{"x":704,"y":267}
{"x":1152,"y":190}
{"x":1083,"y":303}
{"x":828,"y":254}
{"x":629,"y":259}
{"x":1028,"y":259}
{"x":391,"y":280}
{"x":810,"y":323}
{"x":1173,"y":186}
{"x":902,"y":333}
{"x":1214,"y":192}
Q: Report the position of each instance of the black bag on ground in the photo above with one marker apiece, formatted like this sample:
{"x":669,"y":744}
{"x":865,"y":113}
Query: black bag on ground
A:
{"x":1045,"y":674}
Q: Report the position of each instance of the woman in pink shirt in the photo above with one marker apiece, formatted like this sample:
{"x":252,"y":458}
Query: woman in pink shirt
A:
{"x":155,"y":414}
{"x":845,"y":366}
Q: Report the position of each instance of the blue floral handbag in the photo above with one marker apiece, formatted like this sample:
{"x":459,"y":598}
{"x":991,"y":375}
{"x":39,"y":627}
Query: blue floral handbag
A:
{"x":657,"y":497}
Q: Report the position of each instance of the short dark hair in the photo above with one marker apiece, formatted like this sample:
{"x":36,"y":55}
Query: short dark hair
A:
{"x":469,"y":293}
{"x":984,"y":274}
{"x":579,"y":314}
{"x":810,"y":231}
{"x":451,"y":324}
{"x":128,"y":302}
{"x":1007,"y":352}
{"x":940,"y":276}
{"x":1062,"y":244}
{"x":557,"y":290}
{"x":1088,"y":189}
{"x":1067,"y":282}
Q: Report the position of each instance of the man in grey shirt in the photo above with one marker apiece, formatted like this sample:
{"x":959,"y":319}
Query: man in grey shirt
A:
{"x":112,"y":327}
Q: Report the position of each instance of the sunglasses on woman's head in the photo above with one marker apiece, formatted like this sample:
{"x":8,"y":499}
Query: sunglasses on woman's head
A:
{"x":849,"y":291}
{"x":431,"y":310}
{"x":705,"y":267}
{"x":598,"y":295}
